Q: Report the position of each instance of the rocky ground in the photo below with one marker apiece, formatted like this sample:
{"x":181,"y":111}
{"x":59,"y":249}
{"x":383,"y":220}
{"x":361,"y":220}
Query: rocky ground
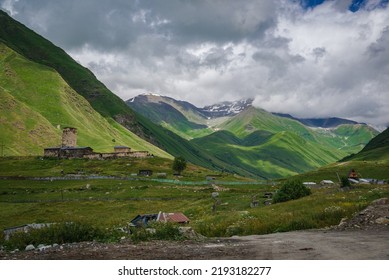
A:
{"x":365,"y":236}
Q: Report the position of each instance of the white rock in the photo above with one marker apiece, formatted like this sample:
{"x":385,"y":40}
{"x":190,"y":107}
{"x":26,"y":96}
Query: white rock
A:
{"x":30,"y":247}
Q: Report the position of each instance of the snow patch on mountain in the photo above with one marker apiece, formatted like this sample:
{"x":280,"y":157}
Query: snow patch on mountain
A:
{"x":225,"y":109}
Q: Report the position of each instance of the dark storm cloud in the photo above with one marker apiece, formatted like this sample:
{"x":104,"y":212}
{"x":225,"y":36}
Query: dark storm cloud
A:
{"x":73,"y":23}
{"x":117,"y":23}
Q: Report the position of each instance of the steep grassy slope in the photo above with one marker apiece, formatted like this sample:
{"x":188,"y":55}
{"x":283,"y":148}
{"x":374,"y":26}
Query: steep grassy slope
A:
{"x":171,"y":114}
{"x":355,"y":137}
{"x":253,"y":119}
{"x":348,"y":138}
{"x":36,"y":48}
{"x":273,"y":147}
{"x":371,"y":162}
{"x":143,"y":103}
{"x":268,"y":155}
{"x":376,"y":149}
{"x":37,"y":103}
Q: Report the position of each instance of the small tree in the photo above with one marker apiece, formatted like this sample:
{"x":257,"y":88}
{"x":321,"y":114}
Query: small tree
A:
{"x":179,"y":164}
{"x":291,"y":190}
{"x":344,"y":182}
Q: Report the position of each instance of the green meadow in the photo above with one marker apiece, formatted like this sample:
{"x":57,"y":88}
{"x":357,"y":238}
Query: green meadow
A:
{"x":112,"y":203}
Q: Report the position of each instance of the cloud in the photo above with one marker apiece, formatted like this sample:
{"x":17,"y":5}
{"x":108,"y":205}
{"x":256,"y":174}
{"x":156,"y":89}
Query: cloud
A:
{"x":8,"y":6}
{"x":316,"y":62}
{"x":345,"y":67}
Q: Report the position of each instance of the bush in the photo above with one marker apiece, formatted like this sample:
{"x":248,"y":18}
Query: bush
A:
{"x":291,"y":190}
{"x":344,"y":182}
{"x":179,"y":164}
{"x":157,"y":231}
{"x":56,"y":233}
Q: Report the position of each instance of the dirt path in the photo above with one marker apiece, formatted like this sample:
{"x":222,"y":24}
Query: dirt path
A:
{"x":312,"y":245}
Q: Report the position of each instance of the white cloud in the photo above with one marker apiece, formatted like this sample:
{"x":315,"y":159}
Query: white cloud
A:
{"x":8,"y":5}
{"x":319,"y":62}
{"x":338,"y":76}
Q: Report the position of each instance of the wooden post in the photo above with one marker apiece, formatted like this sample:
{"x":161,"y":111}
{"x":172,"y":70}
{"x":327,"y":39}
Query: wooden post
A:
{"x":337,"y":174}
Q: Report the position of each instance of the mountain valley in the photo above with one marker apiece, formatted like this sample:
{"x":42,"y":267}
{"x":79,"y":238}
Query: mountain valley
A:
{"x":265,"y":144}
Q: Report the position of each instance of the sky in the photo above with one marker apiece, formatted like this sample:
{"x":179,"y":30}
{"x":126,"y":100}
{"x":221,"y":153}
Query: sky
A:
{"x":308,"y":58}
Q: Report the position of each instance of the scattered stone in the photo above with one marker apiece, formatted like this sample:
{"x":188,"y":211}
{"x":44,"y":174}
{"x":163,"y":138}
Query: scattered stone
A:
{"x":268,"y":202}
{"x":30,"y":247}
{"x":215,"y":194}
{"x":189,"y":233}
{"x":382,"y":221}
{"x":375,"y":216}
{"x":343,"y":222}
{"x":42,"y":247}
{"x":254,"y":204}
{"x":381,"y":201}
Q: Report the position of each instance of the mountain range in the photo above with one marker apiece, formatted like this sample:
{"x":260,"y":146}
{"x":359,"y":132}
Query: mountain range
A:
{"x":265,"y":144}
{"x":43,"y":90}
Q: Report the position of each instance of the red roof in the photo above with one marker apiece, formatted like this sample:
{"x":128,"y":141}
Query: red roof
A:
{"x":173,"y":217}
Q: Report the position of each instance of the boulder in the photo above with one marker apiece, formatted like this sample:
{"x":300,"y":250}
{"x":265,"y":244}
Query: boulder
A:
{"x":30,"y":247}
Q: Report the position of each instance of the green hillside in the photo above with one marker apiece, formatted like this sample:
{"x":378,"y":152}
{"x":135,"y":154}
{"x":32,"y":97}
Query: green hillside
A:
{"x":254,"y":139}
{"x":371,"y":162}
{"x":376,"y":149}
{"x":348,"y":138}
{"x":268,"y":155}
{"x":171,"y":115}
{"x":253,"y":119}
{"x":38,"y":103}
{"x":36,"y":48}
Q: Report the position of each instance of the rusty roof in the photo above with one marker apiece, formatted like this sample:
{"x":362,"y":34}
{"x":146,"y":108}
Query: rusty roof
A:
{"x":177,"y":217}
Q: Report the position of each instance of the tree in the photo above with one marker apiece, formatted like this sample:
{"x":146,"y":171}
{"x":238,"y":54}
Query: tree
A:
{"x":291,"y":190}
{"x":179,"y":164}
{"x":344,"y":182}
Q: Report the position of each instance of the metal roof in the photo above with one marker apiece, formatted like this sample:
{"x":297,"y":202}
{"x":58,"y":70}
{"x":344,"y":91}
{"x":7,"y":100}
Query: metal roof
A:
{"x":173,"y":217}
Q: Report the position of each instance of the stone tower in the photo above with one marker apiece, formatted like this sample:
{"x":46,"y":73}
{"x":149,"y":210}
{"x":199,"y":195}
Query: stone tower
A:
{"x":69,"y":137}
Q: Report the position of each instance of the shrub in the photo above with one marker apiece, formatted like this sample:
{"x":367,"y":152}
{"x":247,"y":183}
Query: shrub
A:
{"x":291,"y":190}
{"x":179,"y":164}
{"x":344,"y":182}
{"x":56,"y":233}
{"x":157,"y":231}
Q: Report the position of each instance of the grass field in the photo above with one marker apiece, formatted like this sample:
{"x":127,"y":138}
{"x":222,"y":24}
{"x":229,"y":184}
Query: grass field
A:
{"x":113,"y":203}
{"x":378,"y":169}
{"x":110,"y":203}
{"x":89,"y":199}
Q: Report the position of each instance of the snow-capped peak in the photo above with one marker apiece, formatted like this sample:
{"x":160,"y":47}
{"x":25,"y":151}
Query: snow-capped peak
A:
{"x":227,"y":108}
